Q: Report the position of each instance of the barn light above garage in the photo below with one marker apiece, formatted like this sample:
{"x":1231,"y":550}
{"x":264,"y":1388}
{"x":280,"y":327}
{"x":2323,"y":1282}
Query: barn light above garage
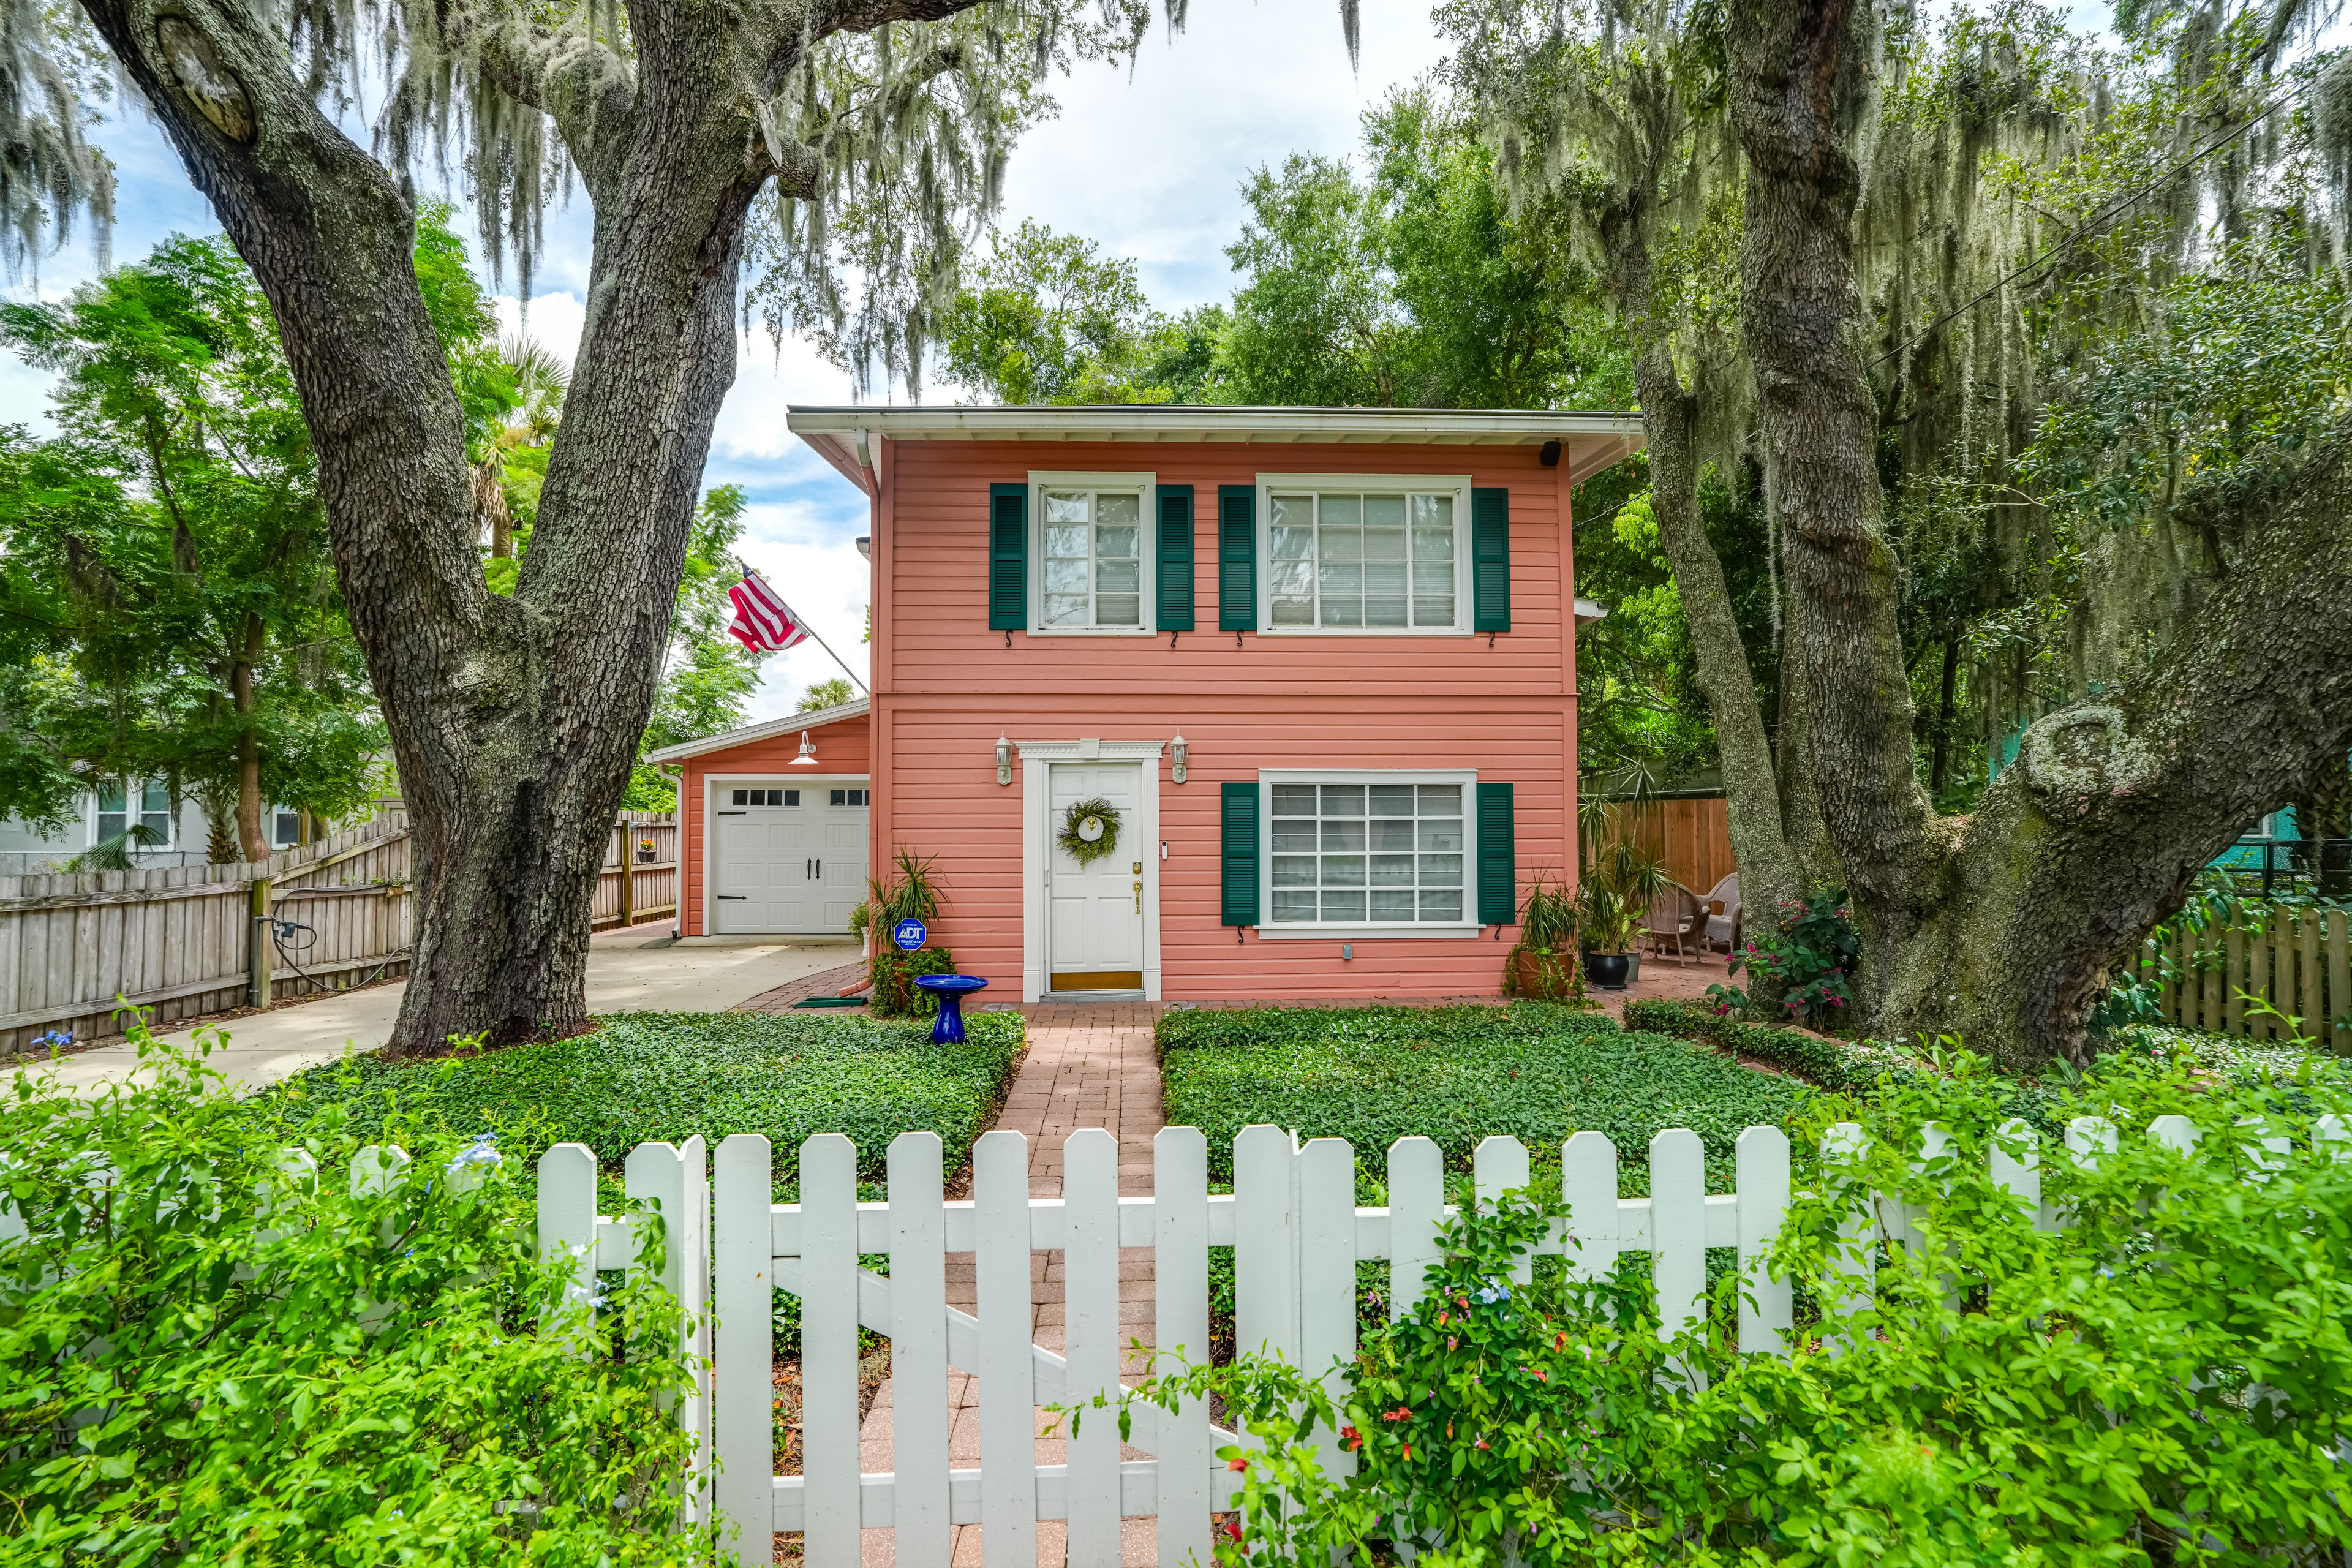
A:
{"x":807,"y":759}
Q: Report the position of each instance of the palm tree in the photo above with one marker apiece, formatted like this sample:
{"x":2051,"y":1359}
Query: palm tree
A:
{"x":824,"y":694}
{"x":540,"y":382}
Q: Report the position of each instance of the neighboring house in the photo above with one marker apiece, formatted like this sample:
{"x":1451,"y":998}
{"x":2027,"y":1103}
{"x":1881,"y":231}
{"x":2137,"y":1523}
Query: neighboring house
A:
{"x":114,"y":804}
{"x":1321,"y":662}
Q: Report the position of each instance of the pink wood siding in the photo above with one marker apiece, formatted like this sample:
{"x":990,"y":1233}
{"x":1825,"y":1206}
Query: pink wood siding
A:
{"x":842,"y":748}
{"x":946,"y":687}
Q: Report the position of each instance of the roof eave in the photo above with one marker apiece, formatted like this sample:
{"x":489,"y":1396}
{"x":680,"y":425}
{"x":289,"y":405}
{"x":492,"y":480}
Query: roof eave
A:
{"x":764,"y":730}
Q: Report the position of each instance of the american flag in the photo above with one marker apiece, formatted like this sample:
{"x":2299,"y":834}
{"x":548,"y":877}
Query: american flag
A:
{"x":763,"y":622}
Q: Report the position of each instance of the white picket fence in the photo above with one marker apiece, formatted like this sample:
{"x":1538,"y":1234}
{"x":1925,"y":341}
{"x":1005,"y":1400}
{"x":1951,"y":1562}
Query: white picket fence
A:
{"x":1296,"y":1232}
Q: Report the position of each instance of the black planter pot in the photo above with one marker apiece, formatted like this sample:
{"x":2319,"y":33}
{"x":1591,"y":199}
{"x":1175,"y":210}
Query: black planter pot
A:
{"x":1607,"y":969}
{"x":644,"y":857}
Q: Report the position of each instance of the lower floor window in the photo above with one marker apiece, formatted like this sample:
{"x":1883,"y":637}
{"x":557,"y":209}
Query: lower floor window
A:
{"x":1369,"y":853}
{"x":849,"y":797}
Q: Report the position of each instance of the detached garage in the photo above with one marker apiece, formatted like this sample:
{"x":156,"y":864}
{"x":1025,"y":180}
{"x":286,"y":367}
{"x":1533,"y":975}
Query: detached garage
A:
{"x":774,"y":822}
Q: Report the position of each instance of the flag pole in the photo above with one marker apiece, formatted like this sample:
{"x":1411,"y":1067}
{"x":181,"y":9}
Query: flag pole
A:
{"x":818,"y":640}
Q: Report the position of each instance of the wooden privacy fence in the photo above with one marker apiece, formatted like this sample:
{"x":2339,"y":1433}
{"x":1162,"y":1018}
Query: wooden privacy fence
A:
{"x":1297,"y":1234}
{"x":629,"y":890}
{"x":189,"y":939}
{"x":2299,"y":960}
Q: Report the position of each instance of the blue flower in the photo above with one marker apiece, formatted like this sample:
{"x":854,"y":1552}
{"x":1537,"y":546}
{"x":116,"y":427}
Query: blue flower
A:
{"x":54,"y":1038}
{"x":1494,"y":1290}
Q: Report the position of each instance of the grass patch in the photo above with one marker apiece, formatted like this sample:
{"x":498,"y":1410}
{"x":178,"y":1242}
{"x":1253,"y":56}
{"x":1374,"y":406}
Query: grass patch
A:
{"x":1532,"y":1071}
{"x":665,"y":1077}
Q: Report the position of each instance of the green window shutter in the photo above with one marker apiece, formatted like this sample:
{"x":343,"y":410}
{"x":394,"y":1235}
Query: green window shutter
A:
{"x":1490,"y":560}
{"x":1237,"y":559}
{"x":1498,"y":874}
{"x":1239,"y":843}
{"x":1175,"y":505}
{"x":1008,"y":557}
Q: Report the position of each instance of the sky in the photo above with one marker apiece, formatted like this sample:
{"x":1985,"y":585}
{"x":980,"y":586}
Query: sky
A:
{"x":1149,"y":165}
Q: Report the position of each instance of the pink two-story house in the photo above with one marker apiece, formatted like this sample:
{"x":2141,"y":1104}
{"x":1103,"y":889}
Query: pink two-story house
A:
{"x":1322,"y":663}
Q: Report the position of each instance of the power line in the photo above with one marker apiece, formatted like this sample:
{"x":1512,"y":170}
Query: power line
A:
{"x":2114,"y":210}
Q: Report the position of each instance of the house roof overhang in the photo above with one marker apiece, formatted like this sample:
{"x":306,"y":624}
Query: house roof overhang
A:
{"x":1589,"y":442}
{"x":766,"y":731}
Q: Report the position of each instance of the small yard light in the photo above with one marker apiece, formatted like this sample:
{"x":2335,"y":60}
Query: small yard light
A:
{"x":1176,"y":759}
{"x":807,"y":759}
{"x":1003,"y":760}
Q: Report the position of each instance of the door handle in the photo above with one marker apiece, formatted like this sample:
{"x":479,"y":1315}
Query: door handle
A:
{"x":1139,"y":895}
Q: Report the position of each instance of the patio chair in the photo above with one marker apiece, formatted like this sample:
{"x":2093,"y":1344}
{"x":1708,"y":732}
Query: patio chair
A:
{"x":1723,"y":913}
{"x":1675,"y":916}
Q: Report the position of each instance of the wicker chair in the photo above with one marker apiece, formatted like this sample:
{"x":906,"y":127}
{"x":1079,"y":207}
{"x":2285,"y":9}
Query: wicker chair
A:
{"x":1723,"y":917}
{"x":1675,"y":916}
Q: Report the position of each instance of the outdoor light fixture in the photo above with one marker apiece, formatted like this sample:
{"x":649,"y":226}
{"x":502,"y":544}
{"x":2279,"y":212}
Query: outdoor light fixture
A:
{"x":1176,"y":759}
{"x":807,"y":759}
{"x":1003,"y":760}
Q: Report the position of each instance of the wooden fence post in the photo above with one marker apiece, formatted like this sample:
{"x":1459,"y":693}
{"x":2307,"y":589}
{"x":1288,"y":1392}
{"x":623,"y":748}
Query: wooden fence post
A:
{"x":258,"y":945}
{"x":628,"y":876}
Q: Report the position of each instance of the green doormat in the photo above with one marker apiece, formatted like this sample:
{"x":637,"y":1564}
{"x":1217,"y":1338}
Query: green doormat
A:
{"x":830,"y":1002}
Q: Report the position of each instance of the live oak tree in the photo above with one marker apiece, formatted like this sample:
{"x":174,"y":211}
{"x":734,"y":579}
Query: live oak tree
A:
{"x":1860,"y":252}
{"x":2004,"y":924}
{"x":514,"y":718}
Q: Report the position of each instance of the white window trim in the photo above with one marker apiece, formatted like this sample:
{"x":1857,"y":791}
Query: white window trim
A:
{"x":1144,"y":485}
{"x":1269,"y":929}
{"x":1458,"y":484}
{"x":134,"y":793}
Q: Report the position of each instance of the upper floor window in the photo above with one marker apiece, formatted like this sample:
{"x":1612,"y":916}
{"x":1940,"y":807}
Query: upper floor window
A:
{"x":121,"y":803}
{"x":1091,"y":550}
{"x":1365,"y":554}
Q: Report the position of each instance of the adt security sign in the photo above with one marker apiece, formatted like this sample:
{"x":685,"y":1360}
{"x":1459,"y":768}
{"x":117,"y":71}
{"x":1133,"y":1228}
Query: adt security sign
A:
{"x":908,"y":935}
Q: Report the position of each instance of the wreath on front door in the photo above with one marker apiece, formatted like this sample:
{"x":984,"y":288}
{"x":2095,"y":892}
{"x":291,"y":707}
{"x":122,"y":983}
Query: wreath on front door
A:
{"x":1090,"y":830}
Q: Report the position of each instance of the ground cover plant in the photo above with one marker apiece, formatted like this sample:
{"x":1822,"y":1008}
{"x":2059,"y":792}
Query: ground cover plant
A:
{"x":1533,"y":1071}
{"x":2167,"y":1380}
{"x":665,"y":1077}
{"x":211,"y":1355}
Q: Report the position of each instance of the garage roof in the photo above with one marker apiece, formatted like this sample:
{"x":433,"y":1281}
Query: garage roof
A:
{"x":790,"y":724}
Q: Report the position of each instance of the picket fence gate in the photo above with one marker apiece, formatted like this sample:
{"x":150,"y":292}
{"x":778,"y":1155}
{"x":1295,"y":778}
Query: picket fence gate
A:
{"x":1296,"y":1232}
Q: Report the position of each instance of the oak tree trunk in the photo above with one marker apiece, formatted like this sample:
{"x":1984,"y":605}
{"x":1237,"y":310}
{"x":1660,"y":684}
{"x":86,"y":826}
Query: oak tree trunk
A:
{"x":251,"y":838}
{"x":1769,"y":871}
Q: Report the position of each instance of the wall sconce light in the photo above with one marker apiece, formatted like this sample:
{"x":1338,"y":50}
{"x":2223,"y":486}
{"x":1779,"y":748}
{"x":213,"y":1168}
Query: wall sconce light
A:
{"x":1003,"y":760}
{"x":1176,"y":759}
{"x":807,"y":759}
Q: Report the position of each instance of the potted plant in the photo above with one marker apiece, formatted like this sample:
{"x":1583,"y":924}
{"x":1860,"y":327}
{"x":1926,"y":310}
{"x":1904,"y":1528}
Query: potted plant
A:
{"x":645,"y":851}
{"x":1542,"y":963}
{"x":911,"y":892}
{"x":1613,"y":906}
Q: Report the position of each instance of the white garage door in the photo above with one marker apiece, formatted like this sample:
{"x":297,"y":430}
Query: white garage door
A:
{"x":789,"y":856}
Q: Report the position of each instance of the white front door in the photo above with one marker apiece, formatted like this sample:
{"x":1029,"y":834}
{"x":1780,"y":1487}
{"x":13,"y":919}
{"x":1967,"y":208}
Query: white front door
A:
{"x":788,"y":857}
{"x":1095,"y":931}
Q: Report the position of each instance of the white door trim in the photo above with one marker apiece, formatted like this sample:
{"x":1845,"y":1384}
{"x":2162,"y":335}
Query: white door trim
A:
{"x":710,"y":783}
{"x":1037,"y":758}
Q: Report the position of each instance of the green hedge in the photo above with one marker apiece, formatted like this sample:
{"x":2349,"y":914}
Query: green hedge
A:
{"x":1850,"y":1066}
{"x":665,"y":1077}
{"x":1533,"y":1071}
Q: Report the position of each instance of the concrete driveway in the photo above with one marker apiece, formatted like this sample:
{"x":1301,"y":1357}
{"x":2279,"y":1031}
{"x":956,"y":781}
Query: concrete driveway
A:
{"x":629,"y":971}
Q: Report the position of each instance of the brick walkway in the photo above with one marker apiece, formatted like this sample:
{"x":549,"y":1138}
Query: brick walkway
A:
{"x":834,"y":981}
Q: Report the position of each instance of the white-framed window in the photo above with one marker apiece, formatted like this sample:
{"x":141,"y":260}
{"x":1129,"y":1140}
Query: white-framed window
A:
{"x":851,"y":797}
{"x":288,"y":825}
{"x":122,"y":802}
{"x":1091,"y":543}
{"x":766,"y":797}
{"x":1380,"y":853}
{"x":1364,"y":553}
